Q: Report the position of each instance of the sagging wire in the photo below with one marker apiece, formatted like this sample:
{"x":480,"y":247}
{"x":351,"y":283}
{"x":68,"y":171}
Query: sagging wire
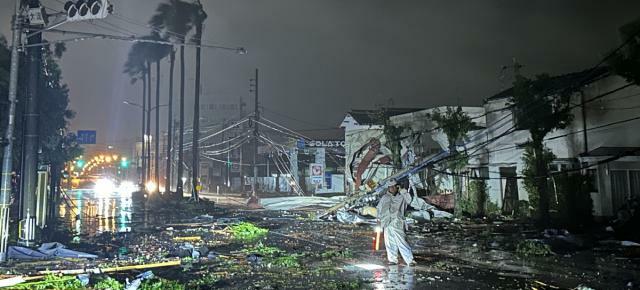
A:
{"x":285,"y":128}
{"x":281,"y":148}
{"x":223,"y":151}
{"x":188,"y":145}
{"x":244,"y":134}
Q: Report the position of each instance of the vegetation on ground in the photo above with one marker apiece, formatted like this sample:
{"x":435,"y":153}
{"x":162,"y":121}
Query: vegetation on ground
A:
{"x":531,"y":248}
{"x":108,"y":284}
{"x":161,"y":284}
{"x":246,"y":231}
{"x":52,"y":281}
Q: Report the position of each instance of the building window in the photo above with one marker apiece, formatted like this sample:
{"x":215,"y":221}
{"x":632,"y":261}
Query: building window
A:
{"x":619,"y":188}
{"x":634,"y":180}
{"x":593,"y":177}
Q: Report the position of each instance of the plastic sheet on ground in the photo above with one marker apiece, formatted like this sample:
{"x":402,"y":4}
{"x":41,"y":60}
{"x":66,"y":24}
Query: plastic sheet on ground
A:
{"x":353,"y":218}
{"x":293,"y":202}
{"x":46,"y":251}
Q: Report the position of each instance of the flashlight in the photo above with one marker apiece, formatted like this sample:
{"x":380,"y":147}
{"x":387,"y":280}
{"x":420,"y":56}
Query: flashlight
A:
{"x":378,"y":230}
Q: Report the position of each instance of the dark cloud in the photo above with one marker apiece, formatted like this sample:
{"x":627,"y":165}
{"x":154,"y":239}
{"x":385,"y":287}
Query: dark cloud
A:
{"x":319,"y":58}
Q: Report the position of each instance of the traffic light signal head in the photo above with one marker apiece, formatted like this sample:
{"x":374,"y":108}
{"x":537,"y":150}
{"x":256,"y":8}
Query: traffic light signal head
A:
{"x":80,"y":163}
{"x":124,"y":162}
{"x":87,"y":9}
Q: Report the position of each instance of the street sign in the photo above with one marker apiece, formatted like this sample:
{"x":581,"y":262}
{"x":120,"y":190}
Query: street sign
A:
{"x":86,"y":137}
{"x":316,"y":173}
{"x":37,"y":16}
{"x":300,"y":144}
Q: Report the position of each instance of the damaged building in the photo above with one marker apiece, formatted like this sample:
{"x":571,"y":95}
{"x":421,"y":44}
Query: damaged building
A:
{"x":599,"y":142}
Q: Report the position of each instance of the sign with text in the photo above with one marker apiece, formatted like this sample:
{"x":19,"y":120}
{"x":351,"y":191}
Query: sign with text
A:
{"x":316,"y":173}
{"x":335,"y":143}
{"x":86,"y":137}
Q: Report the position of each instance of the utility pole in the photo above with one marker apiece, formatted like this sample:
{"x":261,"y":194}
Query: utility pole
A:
{"x":7,"y":157}
{"x":148,"y":157}
{"x":240,"y":166}
{"x":167,"y":181}
{"x":30,"y":148}
{"x":256,"y":116}
{"x":156,"y":159}
{"x":143,"y":169}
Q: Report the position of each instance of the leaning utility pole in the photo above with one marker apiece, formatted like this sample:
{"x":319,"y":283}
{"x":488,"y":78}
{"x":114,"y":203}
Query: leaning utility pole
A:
{"x":7,"y":157}
{"x":31,"y":142}
{"x":256,"y":117}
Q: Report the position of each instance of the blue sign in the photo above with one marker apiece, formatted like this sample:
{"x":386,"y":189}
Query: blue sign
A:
{"x":86,"y":137}
{"x":301,"y":144}
{"x":327,"y":179}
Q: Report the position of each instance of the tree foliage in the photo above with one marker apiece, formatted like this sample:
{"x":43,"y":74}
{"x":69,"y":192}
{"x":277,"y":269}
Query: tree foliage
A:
{"x":57,"y":145}
{"x":392,"y":136}
{"x":626,"y":62}
{"x":174,"y":18}
{"x":455,"y":124}
{"x":540,"y":110}
{"x":530,"y":173}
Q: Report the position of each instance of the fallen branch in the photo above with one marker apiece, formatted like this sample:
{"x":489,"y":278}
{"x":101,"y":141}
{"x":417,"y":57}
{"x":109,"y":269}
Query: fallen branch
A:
{"x":113,"y":269}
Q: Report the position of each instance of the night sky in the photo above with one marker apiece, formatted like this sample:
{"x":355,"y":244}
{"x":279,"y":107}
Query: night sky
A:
{"x":318,"y":59}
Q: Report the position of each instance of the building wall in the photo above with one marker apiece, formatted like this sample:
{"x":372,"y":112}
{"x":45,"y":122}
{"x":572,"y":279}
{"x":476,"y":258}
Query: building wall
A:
{"x":567,"y":144}
{"x":355,"y":138}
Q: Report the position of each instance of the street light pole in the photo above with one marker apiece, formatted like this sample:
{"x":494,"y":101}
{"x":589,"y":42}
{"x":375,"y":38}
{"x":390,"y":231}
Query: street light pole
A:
{"x":5,"y":188}
{"x":144,"y":134}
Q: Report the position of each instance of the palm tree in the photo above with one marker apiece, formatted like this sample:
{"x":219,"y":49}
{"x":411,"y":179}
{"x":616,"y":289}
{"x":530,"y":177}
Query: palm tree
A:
{"x":138,"y":65}
{"x":174,"y":19}
{"x":199,"y":16}
{"x":156,"y":54}
{"x":135,"y":67}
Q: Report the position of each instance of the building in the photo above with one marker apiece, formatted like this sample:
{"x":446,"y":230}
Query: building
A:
{"x":365,"y":160}
{"x":606,"y":110}
{"x":601,"y":141}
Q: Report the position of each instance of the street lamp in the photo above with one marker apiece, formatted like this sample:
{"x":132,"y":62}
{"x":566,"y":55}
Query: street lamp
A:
{"x":140,"y":106}
{"x":145,"y":163}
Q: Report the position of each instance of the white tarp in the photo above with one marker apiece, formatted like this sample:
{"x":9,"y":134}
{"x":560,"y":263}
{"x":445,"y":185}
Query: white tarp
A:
{"x":293,"y":202}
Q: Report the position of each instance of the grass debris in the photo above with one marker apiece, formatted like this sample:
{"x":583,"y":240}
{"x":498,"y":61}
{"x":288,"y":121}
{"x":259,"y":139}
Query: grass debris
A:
{"x":108,"y":284}
{"x":263,"y":250}
{"x":531,"y":248}
{"x":52,"y":281}
{"x":246,"y":231}
{"x":161,"y":284}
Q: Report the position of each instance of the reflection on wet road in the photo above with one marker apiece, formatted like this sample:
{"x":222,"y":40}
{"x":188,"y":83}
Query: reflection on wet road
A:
{"x":87,"y":213}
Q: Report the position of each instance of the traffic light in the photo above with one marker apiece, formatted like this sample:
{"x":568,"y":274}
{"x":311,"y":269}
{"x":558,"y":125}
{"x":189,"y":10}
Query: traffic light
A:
{"x":124,"y":162}
{"x":87,"y":9}
{"x":80,"y":163}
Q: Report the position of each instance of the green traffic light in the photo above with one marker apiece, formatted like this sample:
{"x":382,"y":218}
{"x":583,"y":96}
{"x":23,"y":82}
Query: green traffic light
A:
{"x":124,"y":163}
{"x":80,"y":163}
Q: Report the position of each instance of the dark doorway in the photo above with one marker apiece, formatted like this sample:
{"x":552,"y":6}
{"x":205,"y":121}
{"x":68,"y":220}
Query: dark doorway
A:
{"x":509,"y":189}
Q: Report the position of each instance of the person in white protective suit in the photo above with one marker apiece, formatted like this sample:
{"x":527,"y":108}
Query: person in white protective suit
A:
{"x":391,"y":210}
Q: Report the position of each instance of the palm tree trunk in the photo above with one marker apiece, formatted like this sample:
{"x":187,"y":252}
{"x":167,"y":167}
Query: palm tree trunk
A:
{"x":172,"y":60}
{"x":180,"y":184}
{"x":157,"y":137}
{"x":148,"y":120}
{"x":196,"y":119}
{"x":143,"y":170}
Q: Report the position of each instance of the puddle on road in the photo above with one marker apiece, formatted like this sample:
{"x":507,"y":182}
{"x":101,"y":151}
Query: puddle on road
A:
{"x":86,"y":215}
